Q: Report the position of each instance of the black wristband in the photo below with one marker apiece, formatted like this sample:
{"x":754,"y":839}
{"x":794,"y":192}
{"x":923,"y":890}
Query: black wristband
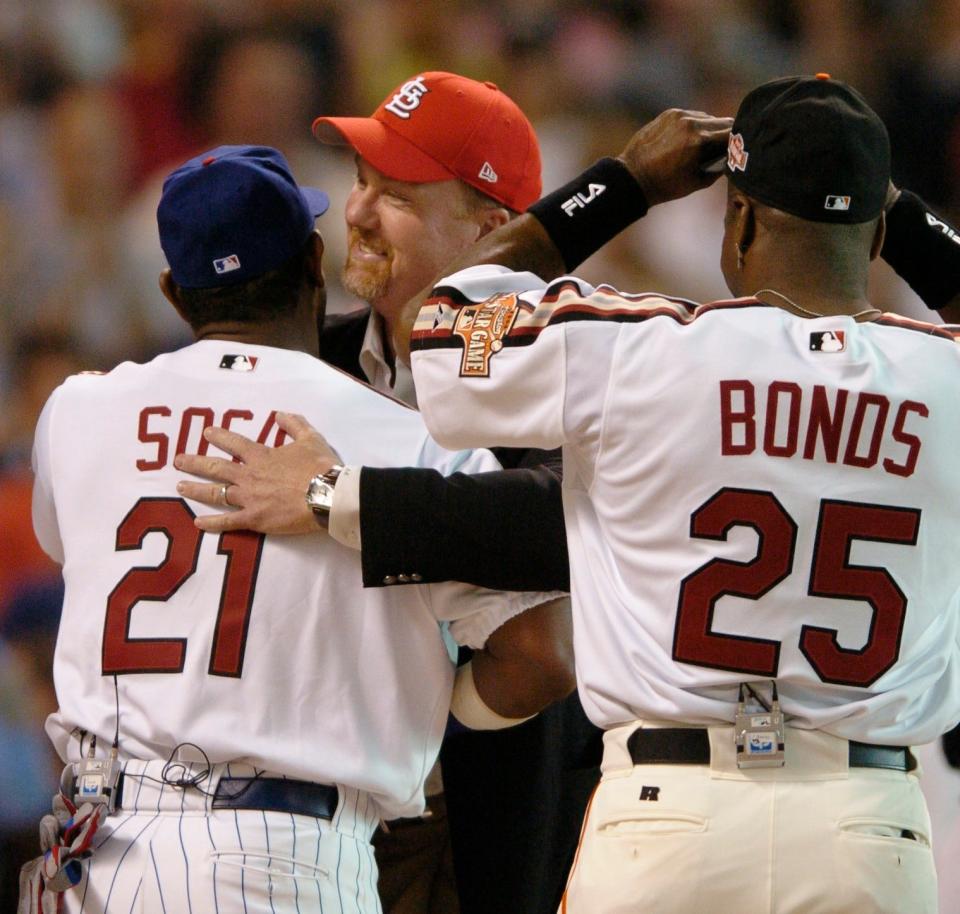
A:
{"x":924,"y":249}
{"x":583,"y":215}
{"x":951,"y":746}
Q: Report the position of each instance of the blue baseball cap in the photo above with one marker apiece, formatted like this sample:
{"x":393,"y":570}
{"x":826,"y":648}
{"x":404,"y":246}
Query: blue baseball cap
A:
{"x":232,"y":214}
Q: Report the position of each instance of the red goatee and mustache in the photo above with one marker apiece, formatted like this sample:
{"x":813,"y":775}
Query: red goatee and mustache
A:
{"x":368,"y":281}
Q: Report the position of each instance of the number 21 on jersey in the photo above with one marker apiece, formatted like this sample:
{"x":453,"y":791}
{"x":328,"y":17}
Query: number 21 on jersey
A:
{"x":171,"y":516}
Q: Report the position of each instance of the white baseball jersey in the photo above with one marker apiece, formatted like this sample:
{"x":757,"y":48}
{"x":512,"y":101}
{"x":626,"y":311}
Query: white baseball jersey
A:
{"x":748,"y":495}
{"x":264,"y":650}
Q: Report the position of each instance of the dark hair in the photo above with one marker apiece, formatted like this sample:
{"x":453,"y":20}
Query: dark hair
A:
{"x":260,"y":299}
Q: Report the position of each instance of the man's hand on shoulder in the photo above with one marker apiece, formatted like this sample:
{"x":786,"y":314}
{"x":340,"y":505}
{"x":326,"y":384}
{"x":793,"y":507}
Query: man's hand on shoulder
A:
{"x":266,"y":490}
{"x":677,"y":153}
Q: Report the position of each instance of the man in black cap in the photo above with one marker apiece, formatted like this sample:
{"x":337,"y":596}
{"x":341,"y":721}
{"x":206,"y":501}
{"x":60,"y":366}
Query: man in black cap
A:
{"x":760,"y":505}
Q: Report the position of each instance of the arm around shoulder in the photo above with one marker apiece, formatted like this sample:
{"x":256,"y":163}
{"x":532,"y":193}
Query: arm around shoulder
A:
{"x":503,"y":529}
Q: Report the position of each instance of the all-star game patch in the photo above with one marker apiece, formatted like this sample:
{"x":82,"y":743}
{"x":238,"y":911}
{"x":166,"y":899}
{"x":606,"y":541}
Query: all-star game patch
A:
{"x":239,"y":362}
{"x":828,"y":341}
{"x":482,"y":328}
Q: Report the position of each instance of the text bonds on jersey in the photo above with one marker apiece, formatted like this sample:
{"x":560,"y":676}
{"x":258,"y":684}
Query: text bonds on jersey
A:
{"x":856,"y":429}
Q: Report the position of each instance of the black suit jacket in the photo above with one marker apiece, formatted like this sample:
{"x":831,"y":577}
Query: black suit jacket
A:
{"x":503,"y":530}
{"x":515,"y":798}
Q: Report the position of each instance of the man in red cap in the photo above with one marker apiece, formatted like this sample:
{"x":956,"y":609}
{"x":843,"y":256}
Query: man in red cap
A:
{"x":441,"y":162}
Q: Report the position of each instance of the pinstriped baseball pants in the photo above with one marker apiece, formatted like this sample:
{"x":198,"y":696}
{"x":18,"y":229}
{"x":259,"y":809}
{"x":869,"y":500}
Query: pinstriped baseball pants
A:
{"x":167,"y":852}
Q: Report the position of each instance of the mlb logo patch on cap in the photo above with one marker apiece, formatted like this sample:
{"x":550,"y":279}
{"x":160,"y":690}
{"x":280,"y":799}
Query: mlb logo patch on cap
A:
{"x":828,"y":341}
{"x":837,"y":204}
{"x":227,"y":264}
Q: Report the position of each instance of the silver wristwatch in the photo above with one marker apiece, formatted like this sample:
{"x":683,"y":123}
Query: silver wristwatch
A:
{"x":320,"y":493}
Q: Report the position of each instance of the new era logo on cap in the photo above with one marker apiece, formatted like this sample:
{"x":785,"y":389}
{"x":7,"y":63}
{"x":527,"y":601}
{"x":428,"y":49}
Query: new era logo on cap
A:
{"x":227,"y":264}
{"x":487,"y":173}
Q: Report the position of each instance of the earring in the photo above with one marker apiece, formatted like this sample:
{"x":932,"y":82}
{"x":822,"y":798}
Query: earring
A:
{"x":740,"y":256}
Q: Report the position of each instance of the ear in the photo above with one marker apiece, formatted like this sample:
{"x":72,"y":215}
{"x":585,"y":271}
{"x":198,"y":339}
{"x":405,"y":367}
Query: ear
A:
{"x":492,"y":217}
{"x":742,"y":221}
{"x":171,"y":292}
{"x":314,"y":269}
{"x":315,"y":259}
{"x":878,"y":237}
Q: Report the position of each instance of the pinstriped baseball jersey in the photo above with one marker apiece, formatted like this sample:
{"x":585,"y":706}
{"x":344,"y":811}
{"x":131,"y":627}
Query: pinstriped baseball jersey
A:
{"x":257,"y":649}
{"x":748,"y":494}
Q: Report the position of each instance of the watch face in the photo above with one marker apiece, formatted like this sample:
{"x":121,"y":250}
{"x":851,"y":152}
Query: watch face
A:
{"x":320,"y":495}
{"x":320,"y":490}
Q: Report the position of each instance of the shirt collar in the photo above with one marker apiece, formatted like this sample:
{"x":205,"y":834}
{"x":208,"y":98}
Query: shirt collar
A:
{"x":373,"y":362}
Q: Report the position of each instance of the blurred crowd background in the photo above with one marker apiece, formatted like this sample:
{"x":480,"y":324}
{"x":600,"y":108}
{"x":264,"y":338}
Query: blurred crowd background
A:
{"x":100,"y":99}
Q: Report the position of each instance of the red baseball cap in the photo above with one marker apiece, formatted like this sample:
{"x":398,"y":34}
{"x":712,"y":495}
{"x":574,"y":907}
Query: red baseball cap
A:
{"x":439,"y":126}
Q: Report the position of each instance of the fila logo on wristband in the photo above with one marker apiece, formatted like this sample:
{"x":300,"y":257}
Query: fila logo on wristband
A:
{"x":580,"y":201}
{"x":934,"y":222}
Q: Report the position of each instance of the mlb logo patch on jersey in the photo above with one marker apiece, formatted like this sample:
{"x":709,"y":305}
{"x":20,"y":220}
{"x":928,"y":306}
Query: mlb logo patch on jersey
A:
{"x":837,"y":204}
{"x":239,"y":362}
{"x":227,"y":264}
{"x":828,"y":341}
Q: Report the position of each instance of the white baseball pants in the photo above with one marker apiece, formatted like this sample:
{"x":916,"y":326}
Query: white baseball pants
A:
{"x":813,"y":837}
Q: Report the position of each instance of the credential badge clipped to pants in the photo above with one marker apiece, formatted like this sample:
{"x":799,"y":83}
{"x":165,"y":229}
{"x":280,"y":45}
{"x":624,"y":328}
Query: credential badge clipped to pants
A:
{"x":759,"y":729}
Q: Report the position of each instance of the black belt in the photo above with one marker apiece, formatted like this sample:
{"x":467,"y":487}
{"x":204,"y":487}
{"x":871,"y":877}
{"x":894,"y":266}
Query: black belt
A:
{"x":691,"y":746}
{"x":302,"y":798}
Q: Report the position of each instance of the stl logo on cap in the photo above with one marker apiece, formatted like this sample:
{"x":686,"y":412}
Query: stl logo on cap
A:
{"x":407,"y":99}
{"x":736,"y":155}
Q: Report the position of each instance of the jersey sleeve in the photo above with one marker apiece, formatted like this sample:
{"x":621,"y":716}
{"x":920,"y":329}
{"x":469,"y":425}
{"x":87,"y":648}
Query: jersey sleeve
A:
{"x":489,"y":371}
{"x":45,"y":523}
{"x":474,"y":612}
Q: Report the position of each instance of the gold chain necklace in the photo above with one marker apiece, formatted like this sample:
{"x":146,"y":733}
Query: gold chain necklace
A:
{"x":807,"y":311}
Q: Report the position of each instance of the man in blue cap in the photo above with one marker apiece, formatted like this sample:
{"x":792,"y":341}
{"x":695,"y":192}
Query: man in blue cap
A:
{"x":236,"y":710}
